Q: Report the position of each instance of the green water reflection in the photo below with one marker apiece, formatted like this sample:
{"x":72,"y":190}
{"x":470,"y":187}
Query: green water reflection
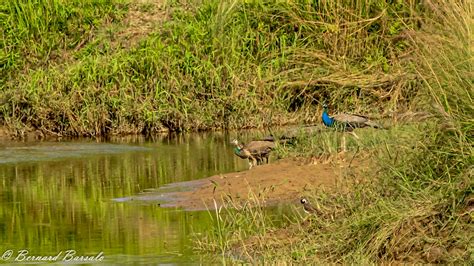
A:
{"x":57,"y":196}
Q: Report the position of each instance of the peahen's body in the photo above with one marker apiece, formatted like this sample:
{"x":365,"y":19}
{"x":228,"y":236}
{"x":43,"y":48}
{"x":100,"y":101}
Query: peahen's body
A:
{"x":243,"y":153}
{"x":255,"y":151}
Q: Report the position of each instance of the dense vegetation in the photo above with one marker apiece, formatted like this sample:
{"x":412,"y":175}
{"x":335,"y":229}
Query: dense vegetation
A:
{"x":70,"y":68}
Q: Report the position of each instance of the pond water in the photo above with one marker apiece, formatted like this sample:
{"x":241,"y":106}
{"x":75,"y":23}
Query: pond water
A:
{"x":58,"y":197}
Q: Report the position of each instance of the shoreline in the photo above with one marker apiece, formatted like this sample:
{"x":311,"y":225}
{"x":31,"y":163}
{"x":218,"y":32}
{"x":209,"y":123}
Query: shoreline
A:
{"x":281,"y":181}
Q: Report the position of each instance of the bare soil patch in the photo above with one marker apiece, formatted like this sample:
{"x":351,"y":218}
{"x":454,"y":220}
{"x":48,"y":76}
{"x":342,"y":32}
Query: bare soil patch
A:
{"x":285,"y":180}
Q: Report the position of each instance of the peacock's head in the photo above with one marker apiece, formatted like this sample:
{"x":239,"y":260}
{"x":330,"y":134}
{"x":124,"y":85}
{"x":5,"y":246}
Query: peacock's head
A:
{"x":325,"y":105}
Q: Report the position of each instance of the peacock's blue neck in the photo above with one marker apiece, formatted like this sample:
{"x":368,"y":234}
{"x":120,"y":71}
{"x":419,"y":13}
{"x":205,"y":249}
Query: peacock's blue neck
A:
{"x":327,"y":120}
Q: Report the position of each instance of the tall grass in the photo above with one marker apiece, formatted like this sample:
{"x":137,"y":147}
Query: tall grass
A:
{"x":418,"y":204}
{"x":235,"y":224}
{"x":35,"y":32}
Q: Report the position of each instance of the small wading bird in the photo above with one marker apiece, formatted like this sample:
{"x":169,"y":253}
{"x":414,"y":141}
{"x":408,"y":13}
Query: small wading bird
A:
{"x":346,"y":123}
{"x":308,"y":208}
{"x":255,"y":151}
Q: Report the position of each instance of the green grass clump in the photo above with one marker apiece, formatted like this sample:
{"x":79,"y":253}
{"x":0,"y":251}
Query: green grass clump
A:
{"x":36,"y":32}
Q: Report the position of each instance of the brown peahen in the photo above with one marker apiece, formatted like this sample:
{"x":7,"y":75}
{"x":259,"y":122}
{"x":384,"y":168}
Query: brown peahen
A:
{"x":255,"y":151}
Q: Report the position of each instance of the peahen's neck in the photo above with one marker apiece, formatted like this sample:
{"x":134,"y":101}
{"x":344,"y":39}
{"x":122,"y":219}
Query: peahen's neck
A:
{"x":237,"y":150}
{"x":327,"y":120}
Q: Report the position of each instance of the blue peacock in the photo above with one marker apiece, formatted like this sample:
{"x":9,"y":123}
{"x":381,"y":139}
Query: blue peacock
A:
{"x":346,"y":123}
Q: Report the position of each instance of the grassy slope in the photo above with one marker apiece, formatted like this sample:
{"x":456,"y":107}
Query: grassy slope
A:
{"x":226,"y":64}
{"x":69,"y":68}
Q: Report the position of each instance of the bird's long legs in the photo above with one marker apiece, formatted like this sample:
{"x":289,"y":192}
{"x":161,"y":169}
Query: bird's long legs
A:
{"x":344,"y":149}
{"x":354,"y":134}
{"x":252,"y":162}
{"x":343,"y":142}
